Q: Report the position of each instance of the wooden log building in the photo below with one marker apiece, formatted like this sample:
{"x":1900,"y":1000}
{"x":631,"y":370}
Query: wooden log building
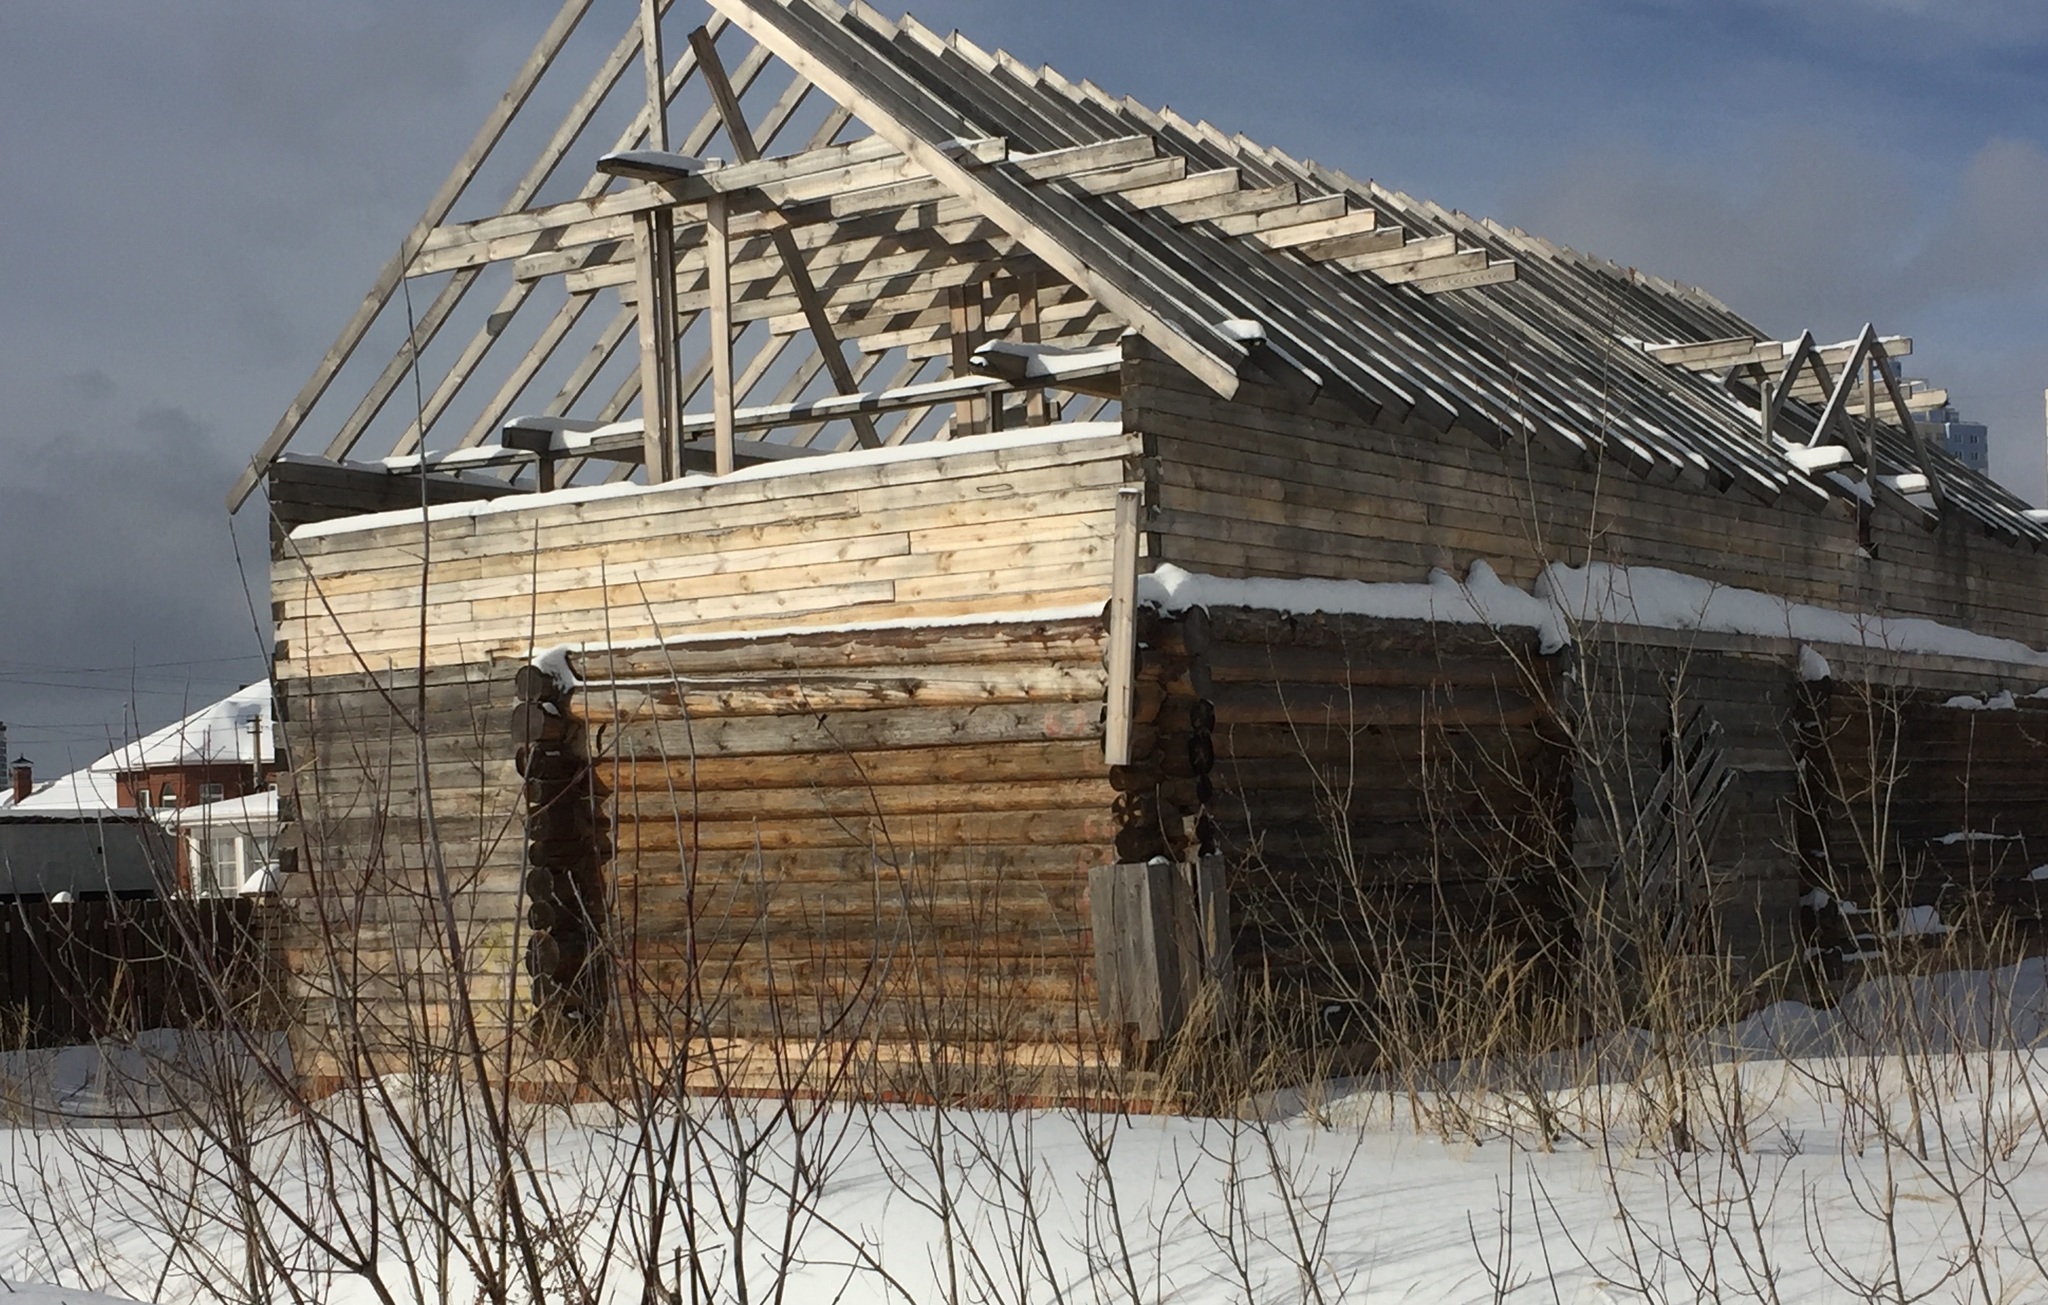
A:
{"x":983,"y":557}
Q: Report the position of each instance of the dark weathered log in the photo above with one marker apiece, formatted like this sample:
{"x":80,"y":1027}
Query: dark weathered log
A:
{"x":555,"y":957}
{"x":1181,"y":715}
{"x":537,"y":722}
{"x":532,"y":684}
{"x":569,"y":852}
{"x":551,"y":764}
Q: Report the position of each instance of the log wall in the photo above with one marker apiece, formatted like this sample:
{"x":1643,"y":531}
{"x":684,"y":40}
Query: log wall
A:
{"x":939,"y":532}
{"x":1267,"y":485}
{"x":399,"y":782}
{"x":881,"y":833}
{"x":953,"y":775}
{"x":1386,"y":798}
{"x":1910,"y":803}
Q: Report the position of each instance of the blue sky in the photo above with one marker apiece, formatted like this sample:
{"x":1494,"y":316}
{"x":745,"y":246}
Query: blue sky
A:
{"x":198,"y":191}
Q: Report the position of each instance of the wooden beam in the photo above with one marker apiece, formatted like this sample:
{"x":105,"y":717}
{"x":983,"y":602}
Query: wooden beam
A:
{"x":717,"y":252}
{"x":858,"y":214}
{"x":1491,"y":274}
{"x":1881,"y":365}
{"x":1774,"y":404}
{"x":1835,"y":411}
{"x":1236,"y":203}
{"x":1319,"y":209}
{"x":1312,"y":234}
{"x":742,"y":137}
{"x":966,"y":306}
{"x":1713,"y":355}
{"x":1123,"y":628}
{"x":1198,"y":185}
{"x":1172,"y":316}
{"x":1029,"y":329}
{"x":1414,"y":251}
{"x":451,"y":295}
{"x":657,"y":74}
{"x":592,"y":218}
{"x":1426,"y":267}
{"x":623,"y":442}
{"x":344,"y":346}
{"x":661,"y":405}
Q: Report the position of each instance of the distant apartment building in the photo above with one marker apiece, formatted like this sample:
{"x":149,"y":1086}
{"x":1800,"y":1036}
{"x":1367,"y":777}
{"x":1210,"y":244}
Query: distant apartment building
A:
{"x":1969,"y":441}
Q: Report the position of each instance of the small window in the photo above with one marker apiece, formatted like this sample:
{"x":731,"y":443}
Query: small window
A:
{"x":211,"y":793}
{"x":142,"y":799}
{"x":224,"y":864}
{"x":169,"y":797}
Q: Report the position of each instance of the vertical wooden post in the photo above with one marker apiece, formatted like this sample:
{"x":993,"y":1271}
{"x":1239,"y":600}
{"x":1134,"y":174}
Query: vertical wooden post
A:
{"x":1029,"y":332}
{"x":654,"y":271}
{"x":650,"y":52}
{"x":967,"y":323}
{"x":1123,"y":628}
{"x":718,"y":267}
{"x":727,"y":101}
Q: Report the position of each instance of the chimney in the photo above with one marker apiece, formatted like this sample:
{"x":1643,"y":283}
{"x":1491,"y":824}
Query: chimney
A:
{"x":24,"y":777}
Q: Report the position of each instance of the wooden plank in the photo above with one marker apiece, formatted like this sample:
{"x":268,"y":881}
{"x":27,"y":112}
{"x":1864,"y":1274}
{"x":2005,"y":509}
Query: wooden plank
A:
{"x":651,"y":59}
{"x":1716,"y":354}
{"x":1050,"y":165}
{"x":1200,"y":185}
{"x":964,"y":337}
{"x":1491,"y":274}
{"x":1319,"y":209}
{"x":661,"y":402}
{"x":1432,"y":266}
{"x":1236,"y":203}
{"x":1411,"y":252}
{"x":1378,"y":240}
{"x":1313,"y":234}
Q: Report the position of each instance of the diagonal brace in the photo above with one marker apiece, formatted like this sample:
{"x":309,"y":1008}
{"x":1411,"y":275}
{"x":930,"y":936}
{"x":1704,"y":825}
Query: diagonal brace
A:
{"x":743,"y":144}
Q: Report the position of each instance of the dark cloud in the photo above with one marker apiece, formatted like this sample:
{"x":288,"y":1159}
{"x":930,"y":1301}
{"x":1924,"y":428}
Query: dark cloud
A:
{"x":198,"y":192}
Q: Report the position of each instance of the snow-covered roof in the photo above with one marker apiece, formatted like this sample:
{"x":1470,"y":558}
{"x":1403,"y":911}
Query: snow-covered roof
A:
{"x":255,"y":811}
{"x":89,"y":792}
{"x":216,"y":734}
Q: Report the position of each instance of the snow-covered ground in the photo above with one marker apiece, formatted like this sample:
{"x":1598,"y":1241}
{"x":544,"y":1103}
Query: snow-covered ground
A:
{"x":1891,"y":1149}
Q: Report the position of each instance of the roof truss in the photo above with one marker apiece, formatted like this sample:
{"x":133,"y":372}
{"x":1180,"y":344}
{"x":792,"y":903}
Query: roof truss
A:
{"x":896,"y":199}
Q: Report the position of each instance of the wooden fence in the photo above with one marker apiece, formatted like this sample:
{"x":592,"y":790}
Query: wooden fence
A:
{"x":74,"y":972}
